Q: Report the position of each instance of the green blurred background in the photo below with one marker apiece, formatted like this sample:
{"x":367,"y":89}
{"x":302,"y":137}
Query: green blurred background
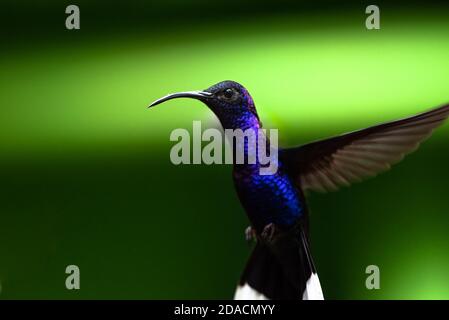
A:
{"x":85,"y":172}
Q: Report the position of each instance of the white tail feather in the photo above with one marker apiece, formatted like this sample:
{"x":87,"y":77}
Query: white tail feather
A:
{"x":245,"y":292}
{"x":313,"y":289}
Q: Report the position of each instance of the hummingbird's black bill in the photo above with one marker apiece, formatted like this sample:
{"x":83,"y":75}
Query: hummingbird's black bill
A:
{"x":187,"y":94}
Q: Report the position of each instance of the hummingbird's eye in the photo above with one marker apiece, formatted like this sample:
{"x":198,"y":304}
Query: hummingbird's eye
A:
{"x":228,"y":93}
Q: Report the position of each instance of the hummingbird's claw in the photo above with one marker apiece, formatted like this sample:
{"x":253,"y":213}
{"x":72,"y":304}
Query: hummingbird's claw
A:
{"x":269,"y":232}
{"x":250,"y":234}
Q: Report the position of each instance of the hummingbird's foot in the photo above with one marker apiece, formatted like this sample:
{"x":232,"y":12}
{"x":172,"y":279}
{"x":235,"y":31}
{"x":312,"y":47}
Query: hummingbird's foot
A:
{"x":250,"y":234}
{"x":269,"y":232}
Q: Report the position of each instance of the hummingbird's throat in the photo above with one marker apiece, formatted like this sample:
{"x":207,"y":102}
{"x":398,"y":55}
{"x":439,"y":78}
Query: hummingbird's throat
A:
{"x":245,"y":149}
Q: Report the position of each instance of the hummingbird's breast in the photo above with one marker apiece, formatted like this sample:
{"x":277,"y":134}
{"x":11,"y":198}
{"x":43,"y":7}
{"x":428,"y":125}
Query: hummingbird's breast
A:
{"x":268,"y":198}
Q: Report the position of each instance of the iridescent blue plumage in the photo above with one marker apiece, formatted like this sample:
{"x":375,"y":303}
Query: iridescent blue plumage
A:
{"x":266,"y":198}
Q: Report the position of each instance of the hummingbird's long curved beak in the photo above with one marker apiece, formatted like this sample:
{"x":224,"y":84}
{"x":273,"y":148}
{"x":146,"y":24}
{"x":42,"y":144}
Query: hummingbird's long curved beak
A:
{"x":187,"y":94}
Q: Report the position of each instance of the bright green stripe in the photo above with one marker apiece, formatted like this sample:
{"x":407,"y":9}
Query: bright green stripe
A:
{"x":322,"y":81}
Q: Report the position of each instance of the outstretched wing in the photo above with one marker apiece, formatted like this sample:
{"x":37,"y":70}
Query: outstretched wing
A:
{"x":327,"y":165}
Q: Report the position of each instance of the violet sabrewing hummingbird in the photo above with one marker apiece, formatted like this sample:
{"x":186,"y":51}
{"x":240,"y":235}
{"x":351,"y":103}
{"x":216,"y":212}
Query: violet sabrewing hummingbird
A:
{"x":281,"y":264}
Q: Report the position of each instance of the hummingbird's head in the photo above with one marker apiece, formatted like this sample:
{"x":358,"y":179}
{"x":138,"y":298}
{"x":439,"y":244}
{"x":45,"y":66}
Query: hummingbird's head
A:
{"x":229,"y":100}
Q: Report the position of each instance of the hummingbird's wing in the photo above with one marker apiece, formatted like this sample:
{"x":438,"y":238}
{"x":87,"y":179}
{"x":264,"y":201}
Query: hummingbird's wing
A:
{"x":328,"y":164}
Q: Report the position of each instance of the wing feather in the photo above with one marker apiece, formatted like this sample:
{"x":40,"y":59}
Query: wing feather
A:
{"x":327,"y":165}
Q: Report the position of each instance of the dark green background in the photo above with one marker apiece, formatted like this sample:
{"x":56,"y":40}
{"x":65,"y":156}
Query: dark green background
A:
{"x":85,"y":172}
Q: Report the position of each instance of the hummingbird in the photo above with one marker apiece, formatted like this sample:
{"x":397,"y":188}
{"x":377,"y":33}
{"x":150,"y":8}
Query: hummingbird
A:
{"x":281,"y":264}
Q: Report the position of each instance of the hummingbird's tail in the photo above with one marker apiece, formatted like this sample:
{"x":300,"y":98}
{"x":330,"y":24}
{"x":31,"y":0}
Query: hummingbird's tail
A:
{"x":283,"y":269}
